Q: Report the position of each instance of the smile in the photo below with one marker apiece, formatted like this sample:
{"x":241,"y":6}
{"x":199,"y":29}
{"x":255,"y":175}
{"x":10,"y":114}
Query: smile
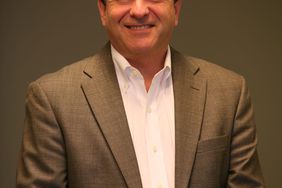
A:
{"x":139,"y":27}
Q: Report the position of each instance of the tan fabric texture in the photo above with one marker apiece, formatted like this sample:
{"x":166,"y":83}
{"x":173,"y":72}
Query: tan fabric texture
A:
{"x":76,"y":133}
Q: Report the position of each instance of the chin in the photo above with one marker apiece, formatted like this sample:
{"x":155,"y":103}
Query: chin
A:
{"x":140,"y":48}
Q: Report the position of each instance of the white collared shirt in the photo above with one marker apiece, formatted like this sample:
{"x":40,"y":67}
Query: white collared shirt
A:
{"x":150,"y":117}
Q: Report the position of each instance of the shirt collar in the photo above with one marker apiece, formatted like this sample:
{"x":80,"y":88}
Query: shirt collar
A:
{"x":119,"y":60}
{"x":125,"y":67}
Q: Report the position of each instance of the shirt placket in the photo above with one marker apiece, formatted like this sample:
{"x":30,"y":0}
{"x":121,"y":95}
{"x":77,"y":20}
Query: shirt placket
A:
{"x":154,"y":145}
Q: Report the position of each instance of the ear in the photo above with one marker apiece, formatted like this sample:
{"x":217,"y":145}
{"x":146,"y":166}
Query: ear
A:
{"x":177,"y":7}
{"x":102,"y":11}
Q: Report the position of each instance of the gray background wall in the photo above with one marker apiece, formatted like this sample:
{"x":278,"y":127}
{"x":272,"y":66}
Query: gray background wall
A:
{"x":37,"y":37}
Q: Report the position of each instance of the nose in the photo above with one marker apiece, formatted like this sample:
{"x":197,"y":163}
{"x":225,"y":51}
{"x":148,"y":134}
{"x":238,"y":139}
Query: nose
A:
{"x":139,"y":9}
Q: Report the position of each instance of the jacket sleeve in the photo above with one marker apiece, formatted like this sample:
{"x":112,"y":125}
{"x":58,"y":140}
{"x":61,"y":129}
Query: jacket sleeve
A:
{"x":42,"y":160}
{"x":244,"y":168}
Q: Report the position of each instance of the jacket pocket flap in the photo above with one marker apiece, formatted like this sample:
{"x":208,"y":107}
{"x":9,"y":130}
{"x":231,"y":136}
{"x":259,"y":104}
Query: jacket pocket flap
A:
{"x":211,"y":144}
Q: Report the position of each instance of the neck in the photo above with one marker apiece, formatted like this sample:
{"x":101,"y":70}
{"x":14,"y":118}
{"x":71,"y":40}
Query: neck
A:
{"x":148,"y":65}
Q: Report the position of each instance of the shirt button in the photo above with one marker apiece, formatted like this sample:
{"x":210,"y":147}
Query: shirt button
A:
{"x":135,"y":73}
{"x":155,"y":149}
{"x":126,"y":87}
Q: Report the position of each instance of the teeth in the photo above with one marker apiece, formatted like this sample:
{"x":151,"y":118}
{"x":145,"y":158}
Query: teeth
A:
{"x":140,"y":27}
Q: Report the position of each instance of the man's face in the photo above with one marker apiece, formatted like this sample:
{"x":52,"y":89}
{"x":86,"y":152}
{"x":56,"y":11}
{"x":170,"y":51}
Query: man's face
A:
{"x":138,"y":27}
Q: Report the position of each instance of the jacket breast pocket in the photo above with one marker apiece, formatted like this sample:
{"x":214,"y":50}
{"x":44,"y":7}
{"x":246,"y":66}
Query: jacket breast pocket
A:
{"x":211,"y":163}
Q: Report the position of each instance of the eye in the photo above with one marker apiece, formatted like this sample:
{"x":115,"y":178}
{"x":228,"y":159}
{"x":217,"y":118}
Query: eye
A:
{"x":123,"y":1}
{"x":156,"y":1}
{"x":119,"y":1}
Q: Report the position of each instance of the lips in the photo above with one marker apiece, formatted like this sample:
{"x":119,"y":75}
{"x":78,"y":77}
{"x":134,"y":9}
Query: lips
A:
{"x":139,"y":27}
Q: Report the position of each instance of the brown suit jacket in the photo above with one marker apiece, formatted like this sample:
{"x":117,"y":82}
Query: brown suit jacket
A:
{"x":76,"y":132}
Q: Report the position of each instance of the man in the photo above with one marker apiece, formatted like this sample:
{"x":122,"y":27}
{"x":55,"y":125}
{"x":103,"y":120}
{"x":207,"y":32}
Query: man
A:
{"x":139,"y":114}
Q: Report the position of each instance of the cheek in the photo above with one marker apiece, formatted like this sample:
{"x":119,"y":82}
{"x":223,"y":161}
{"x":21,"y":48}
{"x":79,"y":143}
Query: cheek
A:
{"x":163,"y":13}
{"x":116,"y":14}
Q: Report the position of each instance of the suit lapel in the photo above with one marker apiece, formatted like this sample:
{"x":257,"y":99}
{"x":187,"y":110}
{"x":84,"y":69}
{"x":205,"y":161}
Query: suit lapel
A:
{"x":189,"y":92}
{"x":103,"y":95}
